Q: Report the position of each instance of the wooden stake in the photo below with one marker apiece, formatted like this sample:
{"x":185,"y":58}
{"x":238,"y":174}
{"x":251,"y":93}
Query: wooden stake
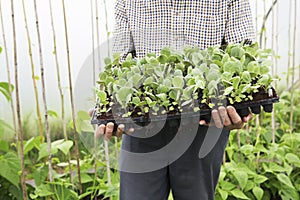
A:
{"x":18,"y":107}
{"x":293,"y":67}
{"x":59,"y":86}
{"x":12,"y":106}
{"x":33,"y":76}
{"x":72,"y":98}
{"x":48,"y":136}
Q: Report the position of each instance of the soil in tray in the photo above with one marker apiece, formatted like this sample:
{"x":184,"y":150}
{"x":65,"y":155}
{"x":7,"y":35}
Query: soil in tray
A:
{"x":261,"y":98}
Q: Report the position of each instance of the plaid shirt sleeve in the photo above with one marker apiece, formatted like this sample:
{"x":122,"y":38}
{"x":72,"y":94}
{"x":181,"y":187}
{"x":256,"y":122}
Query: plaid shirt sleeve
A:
{"x":123,"y":41}
{"x":239,"y":26}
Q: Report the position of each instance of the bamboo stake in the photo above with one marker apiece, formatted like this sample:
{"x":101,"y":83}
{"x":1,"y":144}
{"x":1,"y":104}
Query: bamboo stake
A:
{"x":108,"y":53}
{"x":93,"y":47}
{"x":44,"y":93}
{"x":265,"y":19}
{"x":94,"y":81}
{"x":256,"y":16}
{"x":106,"y":147}
{"x":263,"y":27}
{"x":38,"y":111}
{"x":72,"y":98}
{"x":97,"y":29}
{"x":106,"y":27}
{"x":276,"y":39}
{"x":64,"y":123}
{"x":289,"y":45}
{"x":107,"y":162}
{"x":273,"y":68}
{"x":293,"y":67}
{"x":20,"y":130}
{"x":239,"y":143}
{"x":8,"y":74}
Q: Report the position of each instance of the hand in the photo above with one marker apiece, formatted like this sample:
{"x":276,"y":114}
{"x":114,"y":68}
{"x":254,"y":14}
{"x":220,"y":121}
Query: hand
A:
{"x":228,"y":118}
{"x":107,"y":130}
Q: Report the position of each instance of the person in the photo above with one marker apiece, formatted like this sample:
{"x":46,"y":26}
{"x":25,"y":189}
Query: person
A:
{"x":144,"y":26}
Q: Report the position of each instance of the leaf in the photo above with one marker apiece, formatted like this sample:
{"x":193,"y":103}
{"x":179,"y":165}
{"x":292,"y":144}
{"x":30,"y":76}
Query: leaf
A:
{"x":229,"y":67}
{"x":135,"y":80}
{"x":4,"y":146}
{"x":83,"y":115}
{"x":44,"y":190}
{"x":223,"y":194}
{"x":162,"y":59}
{"x":246,"y":77}
{"x":227,"y":186}
{"x":178,"y":82}
{"x":4,"y":89}
{"x":241,"y":177}
{"x":253,"y":67}
{"x":293,"y":159}
{"x":102,"y":96}
{"x":285,"y":180}
{"x":227,"y":76}
{"x":235,"y":82}
{"x":213,"y":76}
{"x":123,"y":95}
{"x":228,"y":90}
{"x":102,"y":77}
{"x":258,"y":192}
{"x":258,"y":179}
{"x":107,"y":61}
{"x":237,"y":52}
{"x":43,"y":152}
{"x":212,"y":87}
{"x":136,"y":100}
{"x":165,"y":51}
{"x":65,"y":146}
{"x":238,"y":194}
{"x":31,"y":143}
{"x":148,"y":81}
{"x":10,"y":165}
{"x":250,"y":185}
{"x":276,"y":168}
{"x":85,"y":178}
{"x":52,"y":113}
{"x":200,"y":84}
{"x":40,"y":175}
{"x":162,"y":96}
{"x":265,"y":80}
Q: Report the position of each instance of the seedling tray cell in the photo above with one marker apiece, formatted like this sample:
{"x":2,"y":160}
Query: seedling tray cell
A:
{"x":243,"y":109}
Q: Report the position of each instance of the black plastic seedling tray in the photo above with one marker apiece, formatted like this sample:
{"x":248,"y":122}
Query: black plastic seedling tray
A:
{"x":243,"y":109}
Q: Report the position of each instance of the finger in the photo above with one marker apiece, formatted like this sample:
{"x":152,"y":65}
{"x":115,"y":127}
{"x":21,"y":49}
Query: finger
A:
{"x":109,"y":130}
{"x":91,"y":111}
{"x":130,"y":130}
{"x":99,"y":131}
{"x":120,"y":130}
{"x":248,"y":118}
{"x":203,"y":123}
{"x":224,"y":116}
{"x":234,"y":116}
{"x":216,"y":117}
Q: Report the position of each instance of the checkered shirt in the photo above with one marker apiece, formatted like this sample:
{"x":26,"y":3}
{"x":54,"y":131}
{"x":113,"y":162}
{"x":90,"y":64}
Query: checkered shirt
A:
{"x":144,"y":26}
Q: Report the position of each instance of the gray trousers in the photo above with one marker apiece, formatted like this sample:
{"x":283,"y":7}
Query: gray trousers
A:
{"x":188,"y":177}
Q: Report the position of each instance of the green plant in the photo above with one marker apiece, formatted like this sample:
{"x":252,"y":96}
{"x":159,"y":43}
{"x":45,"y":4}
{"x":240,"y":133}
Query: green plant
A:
{"x":173,"y":81}
{"x":260,"y":169}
